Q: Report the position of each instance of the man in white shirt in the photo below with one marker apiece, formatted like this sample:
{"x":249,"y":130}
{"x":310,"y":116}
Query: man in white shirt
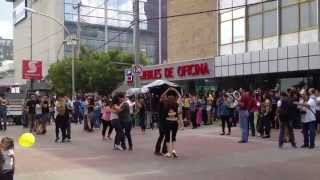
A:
{"x":132,"y":104}
{"x":309,"y":122}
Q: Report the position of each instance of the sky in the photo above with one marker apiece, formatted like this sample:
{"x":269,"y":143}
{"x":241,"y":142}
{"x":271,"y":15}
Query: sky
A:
{"x":6,"y":25}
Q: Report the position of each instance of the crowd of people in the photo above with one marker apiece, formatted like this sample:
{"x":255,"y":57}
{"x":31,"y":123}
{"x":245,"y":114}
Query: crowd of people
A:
{"x":257,"y":112}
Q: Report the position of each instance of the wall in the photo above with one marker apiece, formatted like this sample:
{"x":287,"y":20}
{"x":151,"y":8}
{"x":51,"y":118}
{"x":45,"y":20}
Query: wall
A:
{"x":194,"y":36}
{"x":47,"y":36}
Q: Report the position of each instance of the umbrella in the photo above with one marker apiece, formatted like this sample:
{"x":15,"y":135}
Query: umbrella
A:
{"x":133,"y":91}
{"x":159,"y":86}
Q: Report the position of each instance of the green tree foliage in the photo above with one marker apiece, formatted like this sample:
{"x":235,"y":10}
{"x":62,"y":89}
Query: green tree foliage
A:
{"x":94,"y":72}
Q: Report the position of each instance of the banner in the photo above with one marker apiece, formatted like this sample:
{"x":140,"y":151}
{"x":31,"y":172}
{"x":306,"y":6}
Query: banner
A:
{"x":31,"y":70}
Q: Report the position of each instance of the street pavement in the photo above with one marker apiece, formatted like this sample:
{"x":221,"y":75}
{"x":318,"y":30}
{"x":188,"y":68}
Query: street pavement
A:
{"x":203,"y":154}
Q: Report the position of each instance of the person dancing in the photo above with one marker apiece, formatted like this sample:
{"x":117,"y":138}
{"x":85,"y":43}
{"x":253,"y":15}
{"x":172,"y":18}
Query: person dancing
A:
{"x":116,"y":107}
{"x":106,"y":121}
{"x":171,"y":113}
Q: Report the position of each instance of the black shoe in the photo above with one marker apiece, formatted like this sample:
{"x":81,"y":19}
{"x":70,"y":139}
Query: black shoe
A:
{"x":304,"y":146}
{"x":157,"y":154}
{"x":222,"y":134}
{"x":57,"y":140}
{"x":266,"y":137}
{"x":294,"y":146}
{"x":312,"y":147}
{"x":228,"y":134}
{"x":130,"y":149}
{"x":241,"y":142}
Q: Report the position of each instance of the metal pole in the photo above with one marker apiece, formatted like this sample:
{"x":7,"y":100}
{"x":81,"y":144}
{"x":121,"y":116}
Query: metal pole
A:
{"x":78,"y":31}
{"x":106,"y":36}
{"x":73,"y":76}
{"x":136,"y":39}
{"x":160,"y":33}
{"x":31,"y":48}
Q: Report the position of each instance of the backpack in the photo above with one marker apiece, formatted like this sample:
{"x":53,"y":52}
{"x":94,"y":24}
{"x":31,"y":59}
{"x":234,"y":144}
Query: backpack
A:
{"x":61,"y":108}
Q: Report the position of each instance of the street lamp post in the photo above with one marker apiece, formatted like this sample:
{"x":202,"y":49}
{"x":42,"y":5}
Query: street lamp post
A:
{"x":68,"y":35}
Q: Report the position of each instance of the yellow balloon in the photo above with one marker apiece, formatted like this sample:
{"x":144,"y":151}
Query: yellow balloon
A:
{"x":27,"y":140}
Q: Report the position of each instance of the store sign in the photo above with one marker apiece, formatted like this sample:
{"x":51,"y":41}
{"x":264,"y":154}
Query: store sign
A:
{"x":32,"y":70}
{"x":180,"y":71}
{"x":19,"y":12}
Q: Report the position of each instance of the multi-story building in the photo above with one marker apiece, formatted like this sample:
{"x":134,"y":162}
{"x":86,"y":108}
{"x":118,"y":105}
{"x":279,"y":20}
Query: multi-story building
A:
{"x":6,"y":49}
{"x":250,"y":43}
{"x":101,"y":22}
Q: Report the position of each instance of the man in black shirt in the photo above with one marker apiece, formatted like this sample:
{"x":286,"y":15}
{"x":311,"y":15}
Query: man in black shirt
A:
{"x":31,"y":108}
{"x":45,"y":114}
{"x":162,"y":128}
{"x":286,"y":107}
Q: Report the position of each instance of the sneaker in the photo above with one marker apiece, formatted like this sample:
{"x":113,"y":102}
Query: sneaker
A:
{"x":168,"y":155}
{"x":57,"y":140}
{"x":118,"y":147}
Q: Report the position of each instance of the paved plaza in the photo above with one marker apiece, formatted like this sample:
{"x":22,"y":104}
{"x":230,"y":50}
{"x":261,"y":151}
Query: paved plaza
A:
{"x":203,"y":154}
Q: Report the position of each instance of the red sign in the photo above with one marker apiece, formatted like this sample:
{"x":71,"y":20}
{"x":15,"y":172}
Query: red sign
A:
{"x":181,"y":71}
{"x":32,"y":69}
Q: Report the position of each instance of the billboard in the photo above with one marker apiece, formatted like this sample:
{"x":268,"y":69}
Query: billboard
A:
{"x":19,"y":13}
{"x":31,"y":70}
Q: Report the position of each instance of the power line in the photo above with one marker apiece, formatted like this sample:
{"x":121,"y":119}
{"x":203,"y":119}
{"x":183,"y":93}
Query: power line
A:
{"x":207,"y":11}
{"x":118,"y":35}
{"x":165,"y":17}
{"x":45,"y":38}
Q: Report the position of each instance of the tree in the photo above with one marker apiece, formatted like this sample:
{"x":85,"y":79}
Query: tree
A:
{"x":94,"y":72}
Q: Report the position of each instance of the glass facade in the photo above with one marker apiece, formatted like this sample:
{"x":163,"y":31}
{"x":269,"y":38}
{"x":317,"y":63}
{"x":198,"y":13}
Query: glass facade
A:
{"x":119,"y":19}
{"x":6,"y":49}
{"x":260,"y":24}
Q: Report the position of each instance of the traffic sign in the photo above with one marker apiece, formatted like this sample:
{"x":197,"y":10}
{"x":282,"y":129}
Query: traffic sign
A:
{"x":137,"y":70}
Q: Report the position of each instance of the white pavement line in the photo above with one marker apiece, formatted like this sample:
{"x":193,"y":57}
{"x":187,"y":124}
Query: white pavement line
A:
{"x":139,"y":173}
{"x":235,"y":138}
{"x":89,"y":158}
{"x":46,"y":148}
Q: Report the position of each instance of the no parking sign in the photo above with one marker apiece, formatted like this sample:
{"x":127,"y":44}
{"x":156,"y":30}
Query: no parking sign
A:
{"x":137,"y":70}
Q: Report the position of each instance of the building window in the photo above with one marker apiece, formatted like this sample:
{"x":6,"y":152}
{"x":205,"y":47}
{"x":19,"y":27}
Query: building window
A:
{"x":290,"y":19}
{"x":270,"y":23}
{"x":232,"y":27}
{"x":298,"y":24}
{"x":308,"y":15}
